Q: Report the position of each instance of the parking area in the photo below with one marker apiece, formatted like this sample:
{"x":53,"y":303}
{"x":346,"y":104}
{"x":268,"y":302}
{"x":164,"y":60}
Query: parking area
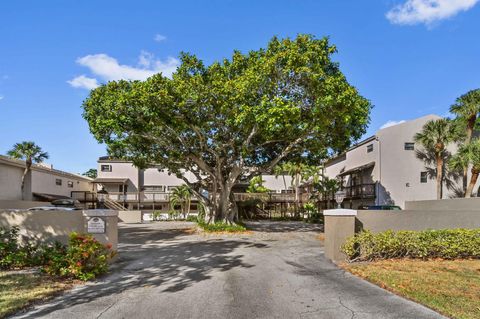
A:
{"x":276,"y":270}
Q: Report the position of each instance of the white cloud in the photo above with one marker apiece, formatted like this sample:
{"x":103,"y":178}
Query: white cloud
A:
{"x":1,"y":97}
{"x":427,"y":11}
{"x":159,"y":37}
{"x":106,"y":68}
{"x":391,"y":123}
{"x":109,"y":69}
{"x":83,"y":82}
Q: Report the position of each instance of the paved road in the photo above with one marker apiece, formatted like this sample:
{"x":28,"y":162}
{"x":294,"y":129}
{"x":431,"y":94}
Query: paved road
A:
{"x":277,"y":271}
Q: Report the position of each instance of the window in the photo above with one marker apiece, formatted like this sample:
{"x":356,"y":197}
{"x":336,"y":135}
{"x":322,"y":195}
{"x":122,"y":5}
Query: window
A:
{"x":369,"y":148}
{"x":122,"y":188}
{"x":70,"y":184}
{"x":106,"y":168}
{"x":423,"y":177}
{"x":171,"y":188}
{"x":58,"y":181}
{"x":409,"y":146}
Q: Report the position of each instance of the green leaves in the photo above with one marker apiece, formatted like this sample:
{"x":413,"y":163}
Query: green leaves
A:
{"x":447,"y":244}
{"x":243,"y":114}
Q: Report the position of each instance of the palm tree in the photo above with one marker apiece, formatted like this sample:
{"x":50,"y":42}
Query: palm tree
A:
{"x":467,"y":108}
{"x":468,"y":154}
{"x":434,"y":137}
{"x":31,"y":153}
{"x":182,"y":196}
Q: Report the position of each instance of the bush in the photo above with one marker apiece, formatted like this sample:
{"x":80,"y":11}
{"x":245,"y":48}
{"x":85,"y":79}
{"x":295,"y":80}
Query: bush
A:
{"x":14,"y":255}
{"x":221,"y":227}
{"x":192,"y":218}
{"x":84,"y":258}
{"x":446,"y":244}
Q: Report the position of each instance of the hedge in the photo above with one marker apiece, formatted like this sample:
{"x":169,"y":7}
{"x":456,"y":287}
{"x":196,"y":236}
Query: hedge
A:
{"x":446,"y":244}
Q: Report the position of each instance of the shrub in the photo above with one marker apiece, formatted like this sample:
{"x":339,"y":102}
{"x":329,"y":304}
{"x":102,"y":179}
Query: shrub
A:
{"x":192,"y":218}
{"x":446,"y":244}
{"x":221,"y":227}
{"x":14,"y":255}
{"x":84,"y":258}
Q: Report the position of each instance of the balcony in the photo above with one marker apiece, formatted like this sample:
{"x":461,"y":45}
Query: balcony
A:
{"x":360,"y":191}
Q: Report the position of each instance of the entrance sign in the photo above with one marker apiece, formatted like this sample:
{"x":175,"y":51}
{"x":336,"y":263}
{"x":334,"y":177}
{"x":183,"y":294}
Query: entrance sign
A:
{"x":96,"y":225}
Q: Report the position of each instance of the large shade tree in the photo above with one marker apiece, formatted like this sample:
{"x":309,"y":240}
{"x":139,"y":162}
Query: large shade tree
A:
{"x":236,"y":118}
{"x":30,"y":153}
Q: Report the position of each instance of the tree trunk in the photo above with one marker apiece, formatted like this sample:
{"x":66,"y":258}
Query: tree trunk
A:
{"x":472,"y":183}
{"x":439,"y":177}
{"x":470,"y":126}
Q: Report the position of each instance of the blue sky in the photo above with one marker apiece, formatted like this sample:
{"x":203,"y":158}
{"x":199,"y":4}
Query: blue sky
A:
{"x":409,"y":57}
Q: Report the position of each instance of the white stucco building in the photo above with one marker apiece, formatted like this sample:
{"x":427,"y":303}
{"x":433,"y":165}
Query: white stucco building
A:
{"x":384,"y":170}
{"x":43,"y":184}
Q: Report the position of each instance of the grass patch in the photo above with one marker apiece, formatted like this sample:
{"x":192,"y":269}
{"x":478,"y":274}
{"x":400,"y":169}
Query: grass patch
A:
{"x":221,"y":227}
{"x":18,"y":290}
{"x":451,"y":287}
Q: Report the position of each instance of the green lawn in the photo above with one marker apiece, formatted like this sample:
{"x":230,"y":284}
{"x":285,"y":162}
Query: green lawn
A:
{"x":451,"y":287}
{"x":18,"y":290}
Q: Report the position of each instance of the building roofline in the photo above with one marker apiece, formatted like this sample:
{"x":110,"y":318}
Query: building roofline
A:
{"x":356,"y":145}
{"x":21,"y":164}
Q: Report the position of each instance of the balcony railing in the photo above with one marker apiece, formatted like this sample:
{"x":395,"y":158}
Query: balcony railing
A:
{"x":271,"y":197}
{"x":360,"y":191}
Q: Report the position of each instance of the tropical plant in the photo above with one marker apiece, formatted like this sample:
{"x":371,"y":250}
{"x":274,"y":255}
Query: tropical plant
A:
{"x":92,"y":173}
{"x":279,"y":170}
{"x":467,"y":108}
{"x":31,"y":153}
{"x":326,"y":189}
{"x":256,"y":185}
{"x":468,"y":155}
{"x":182,"y":196}
{"x":435,"y":137}
{"x":238,"y":118}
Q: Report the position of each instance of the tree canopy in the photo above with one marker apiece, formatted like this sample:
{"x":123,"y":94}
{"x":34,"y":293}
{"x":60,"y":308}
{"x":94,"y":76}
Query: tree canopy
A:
{"x":236,"y":118}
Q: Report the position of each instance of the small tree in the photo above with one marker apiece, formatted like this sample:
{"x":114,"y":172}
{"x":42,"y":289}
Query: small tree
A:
{"x":182,"y":196}
{"x":435,"y":137}
{"x":468,"y":154}
{"x":92,"y":173}
{"x":256,"y":185}
{"x":31,"y":153}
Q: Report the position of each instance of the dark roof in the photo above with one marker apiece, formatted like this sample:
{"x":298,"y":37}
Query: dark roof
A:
{"x":357,"y":169}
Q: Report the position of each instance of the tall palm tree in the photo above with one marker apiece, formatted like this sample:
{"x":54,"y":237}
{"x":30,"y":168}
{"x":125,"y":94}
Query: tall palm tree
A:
{"x":467,"y":108}
{"x":468,"y":154}
{"x":31,"y":153}
{"x":435,"y":137}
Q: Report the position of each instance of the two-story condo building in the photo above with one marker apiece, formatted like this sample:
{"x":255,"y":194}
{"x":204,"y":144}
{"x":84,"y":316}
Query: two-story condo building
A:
{"x":44,"y":183}
{"x":149,"y":189}
{"x":383,"y":169}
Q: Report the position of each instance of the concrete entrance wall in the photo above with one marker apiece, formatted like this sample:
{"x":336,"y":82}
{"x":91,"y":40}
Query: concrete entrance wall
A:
{"x":443,"y":214}
{"x":56,"y":225}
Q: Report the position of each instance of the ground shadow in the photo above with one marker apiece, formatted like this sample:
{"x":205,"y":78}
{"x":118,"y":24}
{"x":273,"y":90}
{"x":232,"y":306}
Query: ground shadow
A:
{"x":157,"y":258}
{"x":283,"y":226}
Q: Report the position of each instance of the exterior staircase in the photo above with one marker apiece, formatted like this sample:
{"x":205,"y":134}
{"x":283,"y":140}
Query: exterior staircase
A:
{"x":111,"y":204}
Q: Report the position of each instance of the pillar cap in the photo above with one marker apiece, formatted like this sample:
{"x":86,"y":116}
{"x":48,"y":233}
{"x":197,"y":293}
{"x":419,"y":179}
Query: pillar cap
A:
{"x":340,"y":212}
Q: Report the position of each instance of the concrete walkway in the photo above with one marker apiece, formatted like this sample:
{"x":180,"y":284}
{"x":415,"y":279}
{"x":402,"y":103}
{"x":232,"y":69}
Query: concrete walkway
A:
{"x":277,"y":271}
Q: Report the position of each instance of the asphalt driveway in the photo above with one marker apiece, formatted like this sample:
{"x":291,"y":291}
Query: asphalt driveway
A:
{"x":165,"y":270}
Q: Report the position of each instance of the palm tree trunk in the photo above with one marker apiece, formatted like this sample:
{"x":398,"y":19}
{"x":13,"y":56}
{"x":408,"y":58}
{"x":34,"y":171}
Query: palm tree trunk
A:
{"x":25,"y":172}
{"x":472,"y":183}
{"x":470,"y":126}
{"x":439,"y":177}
